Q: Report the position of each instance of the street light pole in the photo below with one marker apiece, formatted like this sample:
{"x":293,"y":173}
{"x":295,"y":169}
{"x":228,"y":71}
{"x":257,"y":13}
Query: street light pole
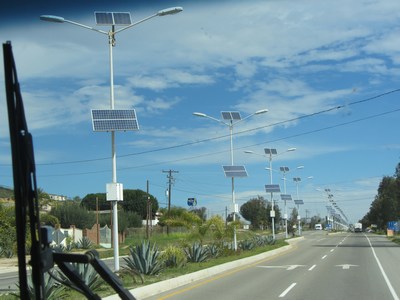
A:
{"x":284,"y":170}
{"x":297,"y":180}
{"x":111,"y":41}
{"x":272,"y":213}
{"x":230,"y":125}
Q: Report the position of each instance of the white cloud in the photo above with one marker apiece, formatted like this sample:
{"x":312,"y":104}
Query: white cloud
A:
{"x":169,"y":78}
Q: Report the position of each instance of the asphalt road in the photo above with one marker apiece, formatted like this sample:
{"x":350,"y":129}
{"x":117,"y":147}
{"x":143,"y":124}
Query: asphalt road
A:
{"x":339,"y":266}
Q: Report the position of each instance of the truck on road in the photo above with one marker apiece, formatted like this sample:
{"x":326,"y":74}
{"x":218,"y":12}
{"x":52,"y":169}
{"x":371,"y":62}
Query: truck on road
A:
{"x":357,"y":227}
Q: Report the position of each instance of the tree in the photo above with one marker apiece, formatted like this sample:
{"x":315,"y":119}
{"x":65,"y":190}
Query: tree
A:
{"x":386,"y":206}
{"x":255,"y":211}
{"x":89,"y":201}
{"x":136,"y":201}
{"x":179,"y":217}
{"x":229,"y":218}
{"x":201,"y":212}
{"x":7,"y":228}
{"x":70,"y":213}
{"x":292,"y":221}
{"x":44,"y":198}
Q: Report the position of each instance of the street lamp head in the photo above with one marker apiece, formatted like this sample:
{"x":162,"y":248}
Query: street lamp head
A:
{"x":249,"y":151}
{"x":300,"y":167}
{"x":198,"y":114}
{"x":291,"y":149}
{"x":169,"y":11}
{"x":50,"y":18}
{"x":261,"y":111}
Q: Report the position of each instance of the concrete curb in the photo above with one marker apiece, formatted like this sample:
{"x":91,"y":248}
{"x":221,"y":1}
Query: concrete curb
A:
{"x":169,"y":284}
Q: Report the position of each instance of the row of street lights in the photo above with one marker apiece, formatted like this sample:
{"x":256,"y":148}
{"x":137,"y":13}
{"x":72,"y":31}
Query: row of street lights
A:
{"x":229,"y":119}
{"x":284,"y":170}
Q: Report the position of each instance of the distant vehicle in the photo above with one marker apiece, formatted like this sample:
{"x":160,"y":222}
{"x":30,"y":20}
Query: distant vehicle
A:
{"x":357,"y":227}
{"x":318,"y":227}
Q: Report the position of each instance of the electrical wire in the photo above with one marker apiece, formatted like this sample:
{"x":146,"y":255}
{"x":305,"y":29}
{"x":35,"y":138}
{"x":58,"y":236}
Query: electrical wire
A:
{"x":239,"y":132}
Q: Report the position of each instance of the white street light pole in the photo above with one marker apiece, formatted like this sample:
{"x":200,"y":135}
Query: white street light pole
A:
{"x":230,"y":125}
{"x":111,"y":41}
{"x":297,"y":180}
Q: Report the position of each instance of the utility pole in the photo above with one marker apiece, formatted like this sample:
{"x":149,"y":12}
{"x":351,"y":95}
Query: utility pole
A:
{"x":149,"y":217}
{"x":170,"y":180}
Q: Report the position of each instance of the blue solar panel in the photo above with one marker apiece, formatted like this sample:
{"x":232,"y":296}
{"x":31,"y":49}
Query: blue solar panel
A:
{"x":104,"y":18}
{"x":113,"y":18}
{"x":114,"y":120}
{"x":272,"y":188}
{"x":122,"y":18}
{"x":235,"y":171}
{"x":270,"y":151}
{"x":286,"y":197}
{"x":231,"y":115}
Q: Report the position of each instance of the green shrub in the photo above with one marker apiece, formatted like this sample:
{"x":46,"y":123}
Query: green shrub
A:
{"x":173,"y":257}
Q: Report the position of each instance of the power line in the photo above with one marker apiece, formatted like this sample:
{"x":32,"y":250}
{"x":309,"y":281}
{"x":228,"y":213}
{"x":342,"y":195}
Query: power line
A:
{"x":236,"y":133}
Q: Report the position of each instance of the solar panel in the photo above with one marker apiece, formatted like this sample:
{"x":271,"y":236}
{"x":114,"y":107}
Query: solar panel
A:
{"x":104,"y":18}
{"x":113,"y":18}
{"x":270,"y":151}
{"x":297,"y":202}
{"x":122,"y":18}
{"x":284,"y":169}
{"x":114,"y":120}
{"x":272,"y":188}
{"x":235,"y":171}
{"x":231,"y":115}
{"x":286,"y":197}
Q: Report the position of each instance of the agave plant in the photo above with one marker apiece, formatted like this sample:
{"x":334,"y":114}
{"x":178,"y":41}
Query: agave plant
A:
{"x":197,"y":253}
{"x":144,"y":259}
{"x":246,"y":245}
{"x":88,"y":275}
{"x":214,"y":250}
{"x":53,"y":290}
{"x":84,"y":243}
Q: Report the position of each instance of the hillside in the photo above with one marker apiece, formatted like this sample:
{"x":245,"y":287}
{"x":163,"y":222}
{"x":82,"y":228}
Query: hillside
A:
{"x":6,"y":193}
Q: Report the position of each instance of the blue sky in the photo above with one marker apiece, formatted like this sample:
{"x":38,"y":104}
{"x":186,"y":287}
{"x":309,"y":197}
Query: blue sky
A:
{"x":327,"y":71}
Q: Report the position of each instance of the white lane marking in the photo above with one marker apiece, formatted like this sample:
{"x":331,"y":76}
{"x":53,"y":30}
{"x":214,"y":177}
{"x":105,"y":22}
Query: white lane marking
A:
{"x":392,"y":291}
{"x":332,"y":250}
{"x":312,"y":268}
{"x":288,"y":267}
{"x":346,"y":266}
{"x":323,"y":257}
{"x":287,"y":290}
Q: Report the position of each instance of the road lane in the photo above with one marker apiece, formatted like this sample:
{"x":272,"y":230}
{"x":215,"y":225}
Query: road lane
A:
{"x":339,"y":266}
